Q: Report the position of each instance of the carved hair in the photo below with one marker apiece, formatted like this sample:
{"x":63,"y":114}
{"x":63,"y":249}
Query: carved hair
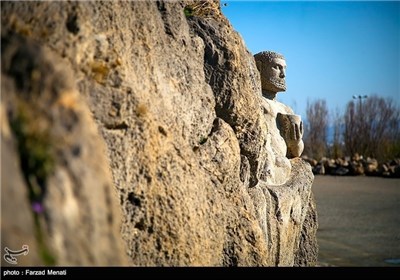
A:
{"x":268,"y":83}
{"x":263,"y":56}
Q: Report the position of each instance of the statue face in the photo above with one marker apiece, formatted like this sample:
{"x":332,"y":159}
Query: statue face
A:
{"x":275,"y":73}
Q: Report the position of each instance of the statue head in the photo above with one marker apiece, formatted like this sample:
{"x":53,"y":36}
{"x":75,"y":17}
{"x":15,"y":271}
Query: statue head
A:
{"x":272,"y":67}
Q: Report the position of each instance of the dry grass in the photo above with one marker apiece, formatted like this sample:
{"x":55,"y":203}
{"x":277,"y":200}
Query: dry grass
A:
{"x":204,"y":9}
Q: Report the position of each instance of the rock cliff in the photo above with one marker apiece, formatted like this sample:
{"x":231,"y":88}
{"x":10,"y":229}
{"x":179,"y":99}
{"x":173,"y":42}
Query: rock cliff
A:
{"x":132,"y":134}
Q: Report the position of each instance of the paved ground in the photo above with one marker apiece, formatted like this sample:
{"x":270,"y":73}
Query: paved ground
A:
{"x":359,"y":220}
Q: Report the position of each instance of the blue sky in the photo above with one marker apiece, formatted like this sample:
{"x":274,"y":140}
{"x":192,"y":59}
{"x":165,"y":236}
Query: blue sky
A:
{"x":333,"y":50}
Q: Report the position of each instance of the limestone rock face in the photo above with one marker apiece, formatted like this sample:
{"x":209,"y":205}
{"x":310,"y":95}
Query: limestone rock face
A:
{"x":232,"y":74}
{"x":17,"y":221}
{"x":176,"y":100}
{"x":57,"y":193}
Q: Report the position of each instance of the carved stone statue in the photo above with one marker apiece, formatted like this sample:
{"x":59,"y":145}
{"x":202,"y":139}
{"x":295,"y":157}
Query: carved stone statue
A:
{"x":285,"y":128}
{"x":285,"y":180}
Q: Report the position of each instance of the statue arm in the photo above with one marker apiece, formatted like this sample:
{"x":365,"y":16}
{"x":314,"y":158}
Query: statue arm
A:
{"x":291,"y":128}
{"x":294,"y":141}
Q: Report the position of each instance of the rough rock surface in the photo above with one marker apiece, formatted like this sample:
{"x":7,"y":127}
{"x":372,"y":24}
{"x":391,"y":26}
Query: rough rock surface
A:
{"x":308,"y":247}
{"x":17,"y":221}
{"x":177,"y":101}
{"x":57,"y":193}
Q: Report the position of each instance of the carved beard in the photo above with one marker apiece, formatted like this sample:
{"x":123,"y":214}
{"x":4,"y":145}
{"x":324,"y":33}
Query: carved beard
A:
{"x":276,"y":84}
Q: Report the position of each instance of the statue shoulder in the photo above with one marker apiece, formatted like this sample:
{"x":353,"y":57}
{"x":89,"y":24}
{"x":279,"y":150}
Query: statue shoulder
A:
{"x":284,"y":109}
{"x":266,"y":105}
{"x":288,"y":109}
